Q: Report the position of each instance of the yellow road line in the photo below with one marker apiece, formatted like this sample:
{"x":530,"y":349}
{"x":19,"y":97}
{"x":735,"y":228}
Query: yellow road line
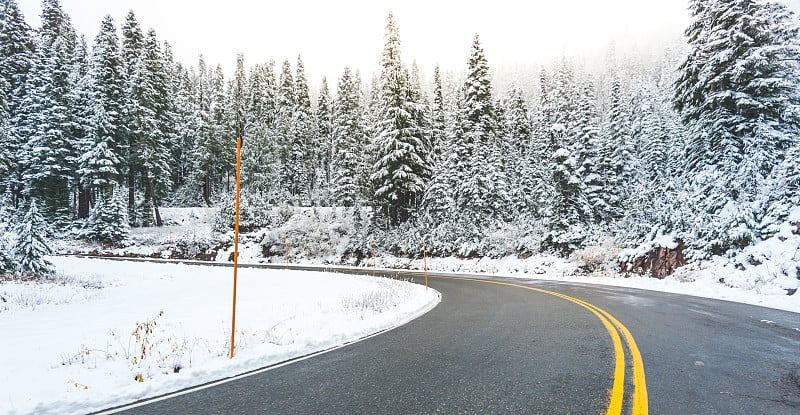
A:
{"x":617,"y":390}
{"x":639,"y":384}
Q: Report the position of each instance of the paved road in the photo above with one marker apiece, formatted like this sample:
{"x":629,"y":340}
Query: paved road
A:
{"x":490,"y":348}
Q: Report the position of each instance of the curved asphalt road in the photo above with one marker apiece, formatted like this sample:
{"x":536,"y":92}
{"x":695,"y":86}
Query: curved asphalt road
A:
{"x":497,"y":349}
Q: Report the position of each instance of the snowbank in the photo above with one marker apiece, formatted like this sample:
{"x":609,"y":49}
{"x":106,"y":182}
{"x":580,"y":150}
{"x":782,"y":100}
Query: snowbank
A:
{"x":124,"y":331}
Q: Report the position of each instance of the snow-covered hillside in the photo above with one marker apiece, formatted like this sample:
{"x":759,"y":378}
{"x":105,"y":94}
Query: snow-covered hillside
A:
{"x":115,"y":332}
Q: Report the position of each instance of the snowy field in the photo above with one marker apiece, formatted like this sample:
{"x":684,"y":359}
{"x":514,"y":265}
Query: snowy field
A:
{"x":113,"y":332}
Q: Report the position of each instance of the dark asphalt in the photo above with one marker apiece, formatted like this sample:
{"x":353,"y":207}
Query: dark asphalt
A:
{"x":503,"y":350}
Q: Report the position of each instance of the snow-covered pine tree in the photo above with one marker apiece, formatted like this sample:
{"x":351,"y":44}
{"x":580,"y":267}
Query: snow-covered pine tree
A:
{"x":238,"y":98}
{"x":400,"y":169}
{"x":619,"y":145}
{"x":594,"y":155}
{"x":347,"y":163}
{"x":31,"y":246}
{"x":214,"y":151}
{"x":101,"y":162}
{"x":108,"y":221}
{"x":324,"y":144}
{"x":260,"y":161}
{"x":153,"y":116}
{"x":42,"y":119}
{"x":186,"y":125}
{"x":518,"y":134}
{"x":569,"y":209}
{"x":131,"y":112}
{"x":16,"y":50}
{"x":79,"y":101}
{"x":283,"y":126}
{"x":738,"y":92}
{"x":304,"y":137}
{"x":438,"y":199}
{"x":483,"y":189}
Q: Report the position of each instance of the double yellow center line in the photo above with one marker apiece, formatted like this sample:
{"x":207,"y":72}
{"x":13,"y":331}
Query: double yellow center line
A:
{"x":614,"y":328}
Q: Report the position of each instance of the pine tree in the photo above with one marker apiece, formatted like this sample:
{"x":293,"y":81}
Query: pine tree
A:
{"x":400,"y":169}
{"x":42,"y":120}
{"x":283,"y":126}
{"x":569,"y":208}
{"x":304,"y":136}
{"x":438,"y":200}
{"x":101,"y":164}
{"x":518,"y":132}
{"x":324,"y":143}
{"x":108,"y":222}
{"x":16,"y":51}
{"x":31,"y":246}
{"x":131,"y":56}
{"x":348,"y":138}
{"x":260,"y":160}
{"x":737,"y":91}
{"x":620,"y":151}
{"x":153,"y":116}
{"x":483,"y":191}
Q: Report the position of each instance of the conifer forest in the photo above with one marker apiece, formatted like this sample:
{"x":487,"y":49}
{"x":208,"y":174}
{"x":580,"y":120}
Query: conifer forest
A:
{"x":699,"y":141}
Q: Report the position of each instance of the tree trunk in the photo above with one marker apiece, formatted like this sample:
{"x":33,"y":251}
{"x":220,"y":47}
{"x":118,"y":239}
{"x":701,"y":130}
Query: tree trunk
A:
{"x":152,"y":193}
{"x":131,"y":188}
{"x":83,"y":202}
{"x":207,"y":190}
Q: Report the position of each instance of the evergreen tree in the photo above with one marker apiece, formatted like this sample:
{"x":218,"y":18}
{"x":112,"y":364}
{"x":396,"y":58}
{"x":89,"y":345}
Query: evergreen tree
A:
{"x":260,"y":160}
{"x":483,"y":191}
{"x":16,"y":50}
{"x":131,"y":112}
{"x":31,"y":246}
{"x":400,"y":169}
{"x":348,"y":138}
{"x":42,"y":120}
{"x":518,"y":132}
{"x":283,"y":127}
{"x":569,"y":208}
{"x":108,"y":222}
{"x":153,"y":116}
{"x":620,"y":151}
{"x":101,"y":165}
{"x":303,"y":137}
{"x":737,"y":90}
{"x":324,"y":142}
{"x":438,"y":199}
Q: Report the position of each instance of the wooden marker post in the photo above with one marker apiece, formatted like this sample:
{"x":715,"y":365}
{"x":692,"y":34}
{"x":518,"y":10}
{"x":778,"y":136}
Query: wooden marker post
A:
{"x":425,"y":261}
{"x":374,"y":256}
{"x":236,"y":239}
{"x":171,"y":252}
{"x":286,"y":240}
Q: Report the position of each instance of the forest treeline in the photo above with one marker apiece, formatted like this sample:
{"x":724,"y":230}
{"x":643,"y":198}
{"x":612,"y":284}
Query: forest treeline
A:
{"x":701,"y":144}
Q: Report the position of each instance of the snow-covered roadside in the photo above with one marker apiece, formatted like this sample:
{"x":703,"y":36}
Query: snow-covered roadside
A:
{"x":83,"y":345}
{"x":700,"y":281}
{"x":716,"y":279}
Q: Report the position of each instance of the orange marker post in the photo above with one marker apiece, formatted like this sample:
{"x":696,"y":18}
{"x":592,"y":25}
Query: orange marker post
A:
{"x":236,"y":238}
{"x":425,"y":262}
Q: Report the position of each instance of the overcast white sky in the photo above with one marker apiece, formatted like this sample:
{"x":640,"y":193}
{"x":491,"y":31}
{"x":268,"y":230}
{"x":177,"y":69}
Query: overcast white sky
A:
{"x":337,"y":33}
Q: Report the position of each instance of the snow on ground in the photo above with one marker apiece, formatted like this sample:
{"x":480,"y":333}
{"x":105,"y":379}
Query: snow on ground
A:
{"x":759,"y":275}
{"x":115,"y":332}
